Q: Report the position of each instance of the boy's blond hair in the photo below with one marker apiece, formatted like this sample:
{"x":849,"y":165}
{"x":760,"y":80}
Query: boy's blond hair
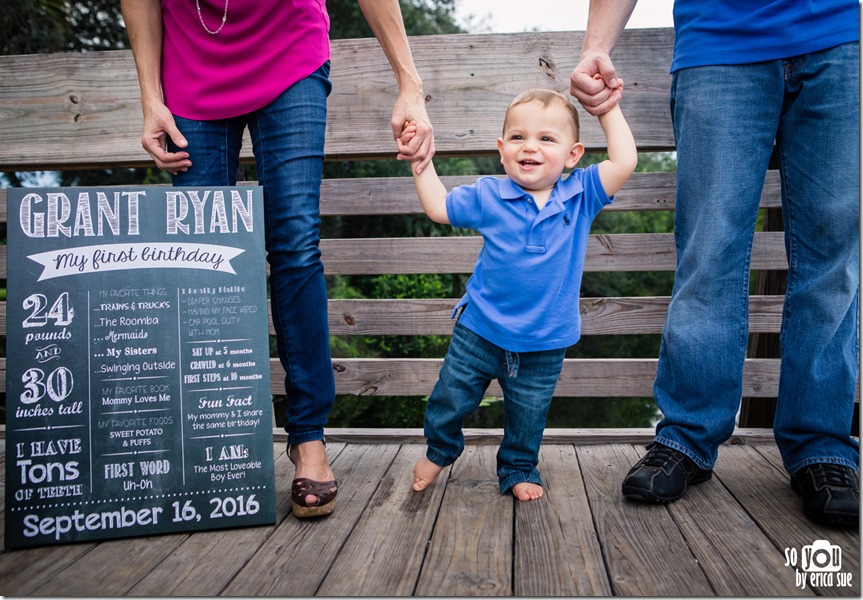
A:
{"x":545,"y":97}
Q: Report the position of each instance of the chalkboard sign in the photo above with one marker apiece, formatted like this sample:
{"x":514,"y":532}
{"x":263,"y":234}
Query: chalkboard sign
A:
{"x":137,"y":384}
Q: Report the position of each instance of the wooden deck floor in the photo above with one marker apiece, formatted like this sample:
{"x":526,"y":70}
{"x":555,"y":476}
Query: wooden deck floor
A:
{"x":462,"y":538}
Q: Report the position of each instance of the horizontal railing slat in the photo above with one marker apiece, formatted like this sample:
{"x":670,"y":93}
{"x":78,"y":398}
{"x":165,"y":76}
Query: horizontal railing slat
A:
{"x":579,"y":378}
{"x":432,"y":316}
{"x":397,"y":195}
{"x":605,"y":252}
{"x":53,"y":106}
{"x":599,"y":316}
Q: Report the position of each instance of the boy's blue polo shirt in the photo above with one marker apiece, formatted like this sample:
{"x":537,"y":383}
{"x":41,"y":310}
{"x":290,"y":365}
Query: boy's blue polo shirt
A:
{"x":523,"y":294}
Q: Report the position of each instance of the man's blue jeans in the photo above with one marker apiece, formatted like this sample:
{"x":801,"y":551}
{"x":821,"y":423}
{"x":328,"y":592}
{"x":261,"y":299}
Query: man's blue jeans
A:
{"x":288,"y":143}
{"x":725,"y":121}
{"x":527,"y":379}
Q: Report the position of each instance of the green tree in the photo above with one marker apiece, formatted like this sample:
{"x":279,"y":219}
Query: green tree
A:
{"x":37,"y":26}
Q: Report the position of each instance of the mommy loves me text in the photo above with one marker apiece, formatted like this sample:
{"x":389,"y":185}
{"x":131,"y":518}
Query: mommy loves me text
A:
{"x":101,"y":214}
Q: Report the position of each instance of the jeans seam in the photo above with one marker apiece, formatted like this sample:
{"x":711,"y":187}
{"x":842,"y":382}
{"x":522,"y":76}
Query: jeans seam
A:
{"x":790,"y":276}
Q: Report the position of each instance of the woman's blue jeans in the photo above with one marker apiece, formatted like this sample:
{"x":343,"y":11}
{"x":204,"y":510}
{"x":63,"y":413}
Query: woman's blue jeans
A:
{"x":726,"y":119}
{"x":527,"y":379}
{"x":288,"y":143}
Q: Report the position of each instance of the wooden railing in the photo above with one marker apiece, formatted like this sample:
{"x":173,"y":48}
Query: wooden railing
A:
{"x":75,"y":111}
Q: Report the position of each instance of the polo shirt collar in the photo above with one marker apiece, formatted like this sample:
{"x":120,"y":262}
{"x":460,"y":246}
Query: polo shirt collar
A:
{"x":565,"y":189}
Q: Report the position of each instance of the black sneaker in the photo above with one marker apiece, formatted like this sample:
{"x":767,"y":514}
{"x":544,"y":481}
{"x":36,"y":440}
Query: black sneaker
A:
{"x":831,"y":494}
{"x":662,"y":475}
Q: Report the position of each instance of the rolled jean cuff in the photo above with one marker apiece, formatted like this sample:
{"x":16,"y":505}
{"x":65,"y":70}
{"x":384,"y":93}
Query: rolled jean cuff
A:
{"x":438,"y":458}
{"x":681,"y":448}
{"x":830,"y":460}
{"x":513,"y":479}
{"x":301,"y":437}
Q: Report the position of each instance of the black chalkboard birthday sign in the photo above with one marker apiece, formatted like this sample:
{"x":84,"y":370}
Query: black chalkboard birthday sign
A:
{"x":137,"y":384}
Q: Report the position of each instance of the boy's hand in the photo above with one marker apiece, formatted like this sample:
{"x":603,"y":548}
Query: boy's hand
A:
{"x":617,"y":89}
{"x":409,"y":131}
{"x":420,"y":150}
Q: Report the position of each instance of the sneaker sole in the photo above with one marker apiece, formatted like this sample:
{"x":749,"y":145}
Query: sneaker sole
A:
{"x":648,"y":498}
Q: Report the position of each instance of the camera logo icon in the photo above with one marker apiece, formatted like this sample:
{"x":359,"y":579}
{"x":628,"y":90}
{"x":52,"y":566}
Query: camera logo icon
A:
{"x":821,"y":557}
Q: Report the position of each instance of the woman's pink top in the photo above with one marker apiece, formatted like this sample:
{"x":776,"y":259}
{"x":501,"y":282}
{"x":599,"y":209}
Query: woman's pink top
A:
{"x":265,"y":47}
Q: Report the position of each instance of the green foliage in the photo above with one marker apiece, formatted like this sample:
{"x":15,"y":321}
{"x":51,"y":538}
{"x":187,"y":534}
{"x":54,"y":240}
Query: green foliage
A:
{"x":421,"y":17}
{"x":410,"y":286}
{"x":377,"y":411}
{"x":35,"y":26}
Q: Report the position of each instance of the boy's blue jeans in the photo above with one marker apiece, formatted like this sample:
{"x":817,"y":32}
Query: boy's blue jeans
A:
{"x":288,"y":143}
{"x":725,"y":121}
{"x":527,"y":379}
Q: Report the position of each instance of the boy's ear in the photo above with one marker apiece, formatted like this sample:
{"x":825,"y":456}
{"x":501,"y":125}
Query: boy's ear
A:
{"x":500,"y":147}
{"x":575,"y":154}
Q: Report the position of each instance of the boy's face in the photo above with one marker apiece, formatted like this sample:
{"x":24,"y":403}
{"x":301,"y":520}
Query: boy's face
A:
{"x":538,"y":143}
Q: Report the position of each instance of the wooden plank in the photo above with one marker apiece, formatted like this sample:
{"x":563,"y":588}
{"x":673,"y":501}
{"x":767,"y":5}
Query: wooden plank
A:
{"x":582,"y":437}
{"x":384,"y":553}
{"x":397,"y":195}
{"x":762,"y":488}
{"x":189,"y":571}
{"x":111,"y":567}
{"x":454,"y":254}
{"x":470,"y":552}
{"x":735,"y":555}
{"x":469,"y":80}
{"x":299,"y":553}
{"x":557,"y":551}
{"x":433,"y":316}
{"x":579,"y":378}
{"x":52,"y":106}
{"x":644,"y":551}
{"x":599,"y":316}
{"x":457,"y":254}
{"x":23,"y":571}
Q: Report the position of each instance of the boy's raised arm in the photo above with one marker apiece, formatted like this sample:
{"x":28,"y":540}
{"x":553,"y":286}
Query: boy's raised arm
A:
{"x":622,"y":153}
{"x":430,"y":188}
{"x":432,"y":194}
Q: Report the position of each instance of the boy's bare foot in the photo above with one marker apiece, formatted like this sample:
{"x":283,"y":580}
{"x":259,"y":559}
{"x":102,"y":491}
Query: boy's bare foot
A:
{"x":425,"y":472}
{"x":526,"y":491}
